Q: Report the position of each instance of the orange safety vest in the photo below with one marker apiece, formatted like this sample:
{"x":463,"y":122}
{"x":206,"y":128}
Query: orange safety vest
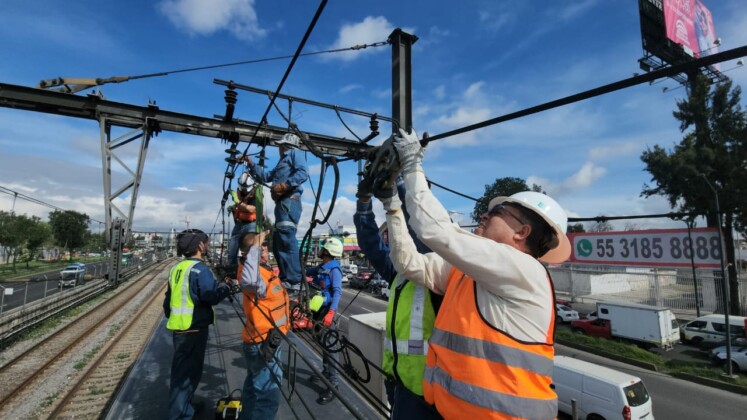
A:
{"x":475,"y":371}
{"x":243,"y":215}
{"x":274,"y":305}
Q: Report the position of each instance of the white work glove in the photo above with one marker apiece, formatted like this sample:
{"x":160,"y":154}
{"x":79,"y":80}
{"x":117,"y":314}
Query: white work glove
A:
{"x":393,"y":202}
{"x":409,"y":151}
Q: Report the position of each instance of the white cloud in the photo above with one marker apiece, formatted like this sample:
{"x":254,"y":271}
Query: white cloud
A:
{"x":575,"y":9}
{"x":184,"y":189}
{"x":614,"y":151}
{"x":474,"y":90}
{"x":439,"y":92}
{"x":350,"y":88}
{"x":583,"y":178}
{"x":207,"y":17}
{"x":371,"y":29}
{"x":350,"y":188}
{"x":315,"y":169}
{"x":493,"y":21}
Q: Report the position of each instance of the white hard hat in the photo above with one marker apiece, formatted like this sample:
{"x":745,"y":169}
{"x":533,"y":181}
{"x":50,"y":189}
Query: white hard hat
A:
{"x":288,"y":139}
{"x":245,"y":182}
{"x":333,"y":246}
{"x":551,"y":212}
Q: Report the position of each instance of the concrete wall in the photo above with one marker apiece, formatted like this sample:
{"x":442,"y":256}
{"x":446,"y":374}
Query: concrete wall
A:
{"x":367,"y":332}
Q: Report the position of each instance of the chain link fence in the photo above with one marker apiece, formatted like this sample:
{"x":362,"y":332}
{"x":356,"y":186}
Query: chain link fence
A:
{"x":674,"y":288}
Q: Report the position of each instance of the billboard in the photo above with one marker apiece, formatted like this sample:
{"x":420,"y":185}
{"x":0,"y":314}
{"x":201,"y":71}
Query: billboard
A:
{"x":690,"y":24}
{"x":650,"y":248}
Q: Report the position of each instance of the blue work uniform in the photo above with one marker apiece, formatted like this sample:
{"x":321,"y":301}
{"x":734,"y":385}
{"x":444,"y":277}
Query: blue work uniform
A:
{"x":292,"y":170}
{"x":328,"y":278}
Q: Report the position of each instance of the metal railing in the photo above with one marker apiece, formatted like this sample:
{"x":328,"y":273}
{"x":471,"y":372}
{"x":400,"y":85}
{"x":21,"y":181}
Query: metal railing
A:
{"x":674,"y":288}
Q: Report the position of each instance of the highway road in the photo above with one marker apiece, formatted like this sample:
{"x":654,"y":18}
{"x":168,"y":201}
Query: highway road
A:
{"x":672,"y":398}
{"x":29,"y":291}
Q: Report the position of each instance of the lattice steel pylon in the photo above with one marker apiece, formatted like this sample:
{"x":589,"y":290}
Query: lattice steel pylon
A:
{"x":141,"y":132}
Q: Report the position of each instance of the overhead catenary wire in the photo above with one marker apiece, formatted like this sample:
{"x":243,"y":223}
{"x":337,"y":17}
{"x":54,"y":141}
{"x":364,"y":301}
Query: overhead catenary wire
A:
{"x":301,"y":45}
{"x":36,"y":201}
{"x":612,"y":87}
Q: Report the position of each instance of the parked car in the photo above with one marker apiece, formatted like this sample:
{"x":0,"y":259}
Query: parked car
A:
{"x":600,"y":392}
{"x":565,"y":313}
{"x":72,"y":275}
{"x":710,"y":330}
{"x":738,"y":355}
{"x":360,"y":281}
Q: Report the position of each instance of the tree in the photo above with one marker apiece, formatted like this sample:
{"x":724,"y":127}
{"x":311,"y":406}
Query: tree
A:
{"x":576,"y":228}
{"x":712,"y":155}
{"x":69,"y":228}
{"x":37,"y":234}
{"x":601,"y":225}
{"x":501,"y":187}
{"x":629,"y":226}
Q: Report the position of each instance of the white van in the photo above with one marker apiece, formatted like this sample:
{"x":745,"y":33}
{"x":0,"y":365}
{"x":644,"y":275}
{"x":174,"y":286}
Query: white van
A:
{"x":711,"y":329}
{"x":350,"y":269}
{"x":600,"y":392}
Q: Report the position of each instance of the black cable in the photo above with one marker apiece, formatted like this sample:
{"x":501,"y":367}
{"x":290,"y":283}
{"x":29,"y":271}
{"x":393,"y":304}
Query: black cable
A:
{"x":257,"y":60}
{"x":263,"y":120}
{"x":612,"y":87}
{"x":337,"y":111}
{"x":452,"y":191}
{"x":36,"y":201}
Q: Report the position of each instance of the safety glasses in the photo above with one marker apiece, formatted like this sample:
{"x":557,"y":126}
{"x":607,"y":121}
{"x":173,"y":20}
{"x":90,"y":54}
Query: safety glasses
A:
{"x":501,"y":210}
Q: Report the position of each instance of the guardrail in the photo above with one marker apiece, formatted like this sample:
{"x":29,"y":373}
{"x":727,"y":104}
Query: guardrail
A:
{"x":16,"y":320}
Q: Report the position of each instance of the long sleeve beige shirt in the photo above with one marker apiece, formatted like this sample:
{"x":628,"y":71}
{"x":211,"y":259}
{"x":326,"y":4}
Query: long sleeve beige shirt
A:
{"x":513,"y":291}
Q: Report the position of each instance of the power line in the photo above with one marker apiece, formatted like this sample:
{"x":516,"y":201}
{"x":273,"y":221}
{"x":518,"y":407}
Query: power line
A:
{"x":36,"y":201}
{"x":81,"y":84}
{"x":305,"y":38}
{"x":612,"y":87}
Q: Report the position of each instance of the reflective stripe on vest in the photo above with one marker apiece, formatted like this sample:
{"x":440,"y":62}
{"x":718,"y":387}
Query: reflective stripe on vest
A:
{"x":417,"y":347}
{"x":285,"y":223}
{"x":497,"y":402}
{"x":413,"y":324}
{"x":274,"y":305}
{"x":181,"y":305}
{"x":477,"y":371}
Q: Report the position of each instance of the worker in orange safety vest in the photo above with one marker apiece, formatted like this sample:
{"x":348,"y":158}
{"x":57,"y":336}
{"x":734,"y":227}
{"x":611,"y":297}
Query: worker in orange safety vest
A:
{"x":490,"y":355}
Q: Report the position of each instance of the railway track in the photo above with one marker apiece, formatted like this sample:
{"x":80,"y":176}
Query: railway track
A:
{"x":69,"y":360}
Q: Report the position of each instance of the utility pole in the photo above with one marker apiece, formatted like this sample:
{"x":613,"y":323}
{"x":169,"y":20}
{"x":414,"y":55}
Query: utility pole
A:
{"x":725,"y":281}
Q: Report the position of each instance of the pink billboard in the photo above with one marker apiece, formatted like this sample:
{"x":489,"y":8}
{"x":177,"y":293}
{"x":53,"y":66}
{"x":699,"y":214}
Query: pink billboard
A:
{"x":690,"y":24}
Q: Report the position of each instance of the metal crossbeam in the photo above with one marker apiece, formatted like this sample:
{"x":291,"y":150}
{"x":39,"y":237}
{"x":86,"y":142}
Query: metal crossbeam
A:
{"x":93,"y":107}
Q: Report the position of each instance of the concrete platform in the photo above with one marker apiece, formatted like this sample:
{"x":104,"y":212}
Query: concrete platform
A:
{"x":144,"y":393}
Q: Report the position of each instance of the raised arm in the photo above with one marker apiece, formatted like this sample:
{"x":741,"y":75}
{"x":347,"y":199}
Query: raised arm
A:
{"x":370,"y":241}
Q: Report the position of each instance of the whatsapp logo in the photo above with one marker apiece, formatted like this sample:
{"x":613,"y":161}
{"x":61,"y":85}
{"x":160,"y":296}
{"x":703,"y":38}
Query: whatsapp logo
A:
{"x":583,"y":248}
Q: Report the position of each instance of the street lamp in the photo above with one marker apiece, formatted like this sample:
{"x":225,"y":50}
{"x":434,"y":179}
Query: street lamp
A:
{"x":725,"y":294}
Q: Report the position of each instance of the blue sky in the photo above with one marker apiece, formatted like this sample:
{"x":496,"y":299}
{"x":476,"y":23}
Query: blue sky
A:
{"x":474,"y":60}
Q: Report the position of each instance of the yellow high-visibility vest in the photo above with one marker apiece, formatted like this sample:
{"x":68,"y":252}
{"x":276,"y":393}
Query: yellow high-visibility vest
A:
{"x":182,"y":306}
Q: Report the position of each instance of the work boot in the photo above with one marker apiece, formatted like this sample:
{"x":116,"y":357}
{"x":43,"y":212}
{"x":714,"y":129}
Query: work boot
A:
{"x":326,"y":396}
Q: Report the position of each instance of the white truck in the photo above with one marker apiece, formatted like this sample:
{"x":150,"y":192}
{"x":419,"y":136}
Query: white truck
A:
{"x":649,"y":326}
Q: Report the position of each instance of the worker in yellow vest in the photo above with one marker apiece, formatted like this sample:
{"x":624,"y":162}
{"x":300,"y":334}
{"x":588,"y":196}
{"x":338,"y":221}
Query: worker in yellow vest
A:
{"x":267,"y":318}
{"x":192,"y":291}
{"x":490,"y":355}
{"x":410,"y":313}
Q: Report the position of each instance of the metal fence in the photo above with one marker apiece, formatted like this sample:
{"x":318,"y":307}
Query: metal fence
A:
{"x":676,"y":289}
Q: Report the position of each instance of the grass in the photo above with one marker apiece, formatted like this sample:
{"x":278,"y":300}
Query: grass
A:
{"x":80,"y":364}
{"x":122,"y":356}
{"x":663,"y":365}
{"x":49,"y":400}
{"x":96,"y":390}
